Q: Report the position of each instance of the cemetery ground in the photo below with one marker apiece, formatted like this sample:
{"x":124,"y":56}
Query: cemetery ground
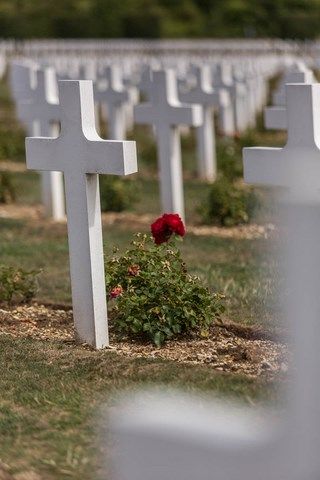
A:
{"x":50,"y":386}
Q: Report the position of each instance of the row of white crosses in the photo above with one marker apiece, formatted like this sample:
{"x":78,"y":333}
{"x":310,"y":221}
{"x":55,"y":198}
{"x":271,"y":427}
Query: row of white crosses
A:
{"x":242,"y":78}
{"x":41,"y":110}
{"x":113,"y":97}
{"x":183,"y":438}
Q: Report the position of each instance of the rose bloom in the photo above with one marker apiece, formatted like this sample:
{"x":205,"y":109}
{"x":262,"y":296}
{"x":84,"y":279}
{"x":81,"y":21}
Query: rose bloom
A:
{"x":165,"y":226}
{"x":116,"y":291}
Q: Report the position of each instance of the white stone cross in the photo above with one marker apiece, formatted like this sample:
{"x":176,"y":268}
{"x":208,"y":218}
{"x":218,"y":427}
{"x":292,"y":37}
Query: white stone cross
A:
{"x":40,"y":112}
{"x":300,"y":74}
{"x":203,"y":94}
{"x":222,"y":81}
{"x":145,"y":82}
{"x":166,"y":113}
{"x":275,"y":117}
{"x":301,"y":154}
{"x":22,"y":78}
{"x":82,"y":155}
{"x":114,"y":96}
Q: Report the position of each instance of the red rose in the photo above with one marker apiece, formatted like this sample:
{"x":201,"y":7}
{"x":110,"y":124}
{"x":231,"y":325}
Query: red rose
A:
{"x":116,"y":291}
{"x":165,"y":226}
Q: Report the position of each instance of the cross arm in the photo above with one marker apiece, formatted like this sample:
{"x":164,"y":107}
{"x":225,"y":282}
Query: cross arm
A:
{"x":42,"y":154}
{"x":144,"y":114}
{"x":187,"y":115}
{"x":275,"y":118}
{"x":264,"y":166}
{"x":110,"y":157}
{"x":91,"y":156}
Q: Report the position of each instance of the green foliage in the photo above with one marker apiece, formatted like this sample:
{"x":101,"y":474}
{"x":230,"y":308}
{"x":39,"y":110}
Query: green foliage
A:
{"x":7,"y":191}
{"x":117,"y":194}
{"x":159,"y":18}
{"x":12,"y":143}
{"x":159,"y":298}
{"x":229,"y":158}
{"x":17,"y":285}
{"x":229,"y":203}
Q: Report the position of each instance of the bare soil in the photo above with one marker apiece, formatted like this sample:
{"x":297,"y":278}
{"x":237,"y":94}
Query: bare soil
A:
{"x":229,"y":348}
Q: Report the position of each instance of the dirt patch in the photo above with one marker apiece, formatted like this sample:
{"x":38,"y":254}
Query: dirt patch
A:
{"x":28,"y":475}
{"x":17,"y":212}
{"x":8,"y":166}
{"x":227,"y":349}
{"x":248,"y":232}
{"x":133,"y":221}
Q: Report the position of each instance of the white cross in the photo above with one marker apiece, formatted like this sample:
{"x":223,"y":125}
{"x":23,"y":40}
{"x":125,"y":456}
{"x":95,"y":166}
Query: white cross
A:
{"x":301,"y":75}
{"x":114,"y":97}
{"x":182,"y":438}
{"x":301,"y":154}
{"x":223,"y":82}
{"x":22,"y":80}
{"x":203,"y":94}
{"x":40,"y":112}
{"x":166,"y":113}
{"x":275,"y":117}
{"x":144,"y":84}
{"x":81,"y":155}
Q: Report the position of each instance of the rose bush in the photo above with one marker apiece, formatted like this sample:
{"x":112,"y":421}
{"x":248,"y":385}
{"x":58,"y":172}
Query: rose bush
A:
{"x":17,"y":285}
{"x":230,"y":204}
{"x":152,"y":294}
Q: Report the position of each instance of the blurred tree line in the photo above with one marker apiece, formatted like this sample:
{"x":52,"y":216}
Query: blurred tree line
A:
{"x":159,"y":18}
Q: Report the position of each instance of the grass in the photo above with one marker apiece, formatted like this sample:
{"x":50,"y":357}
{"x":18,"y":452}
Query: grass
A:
{"x":50,"y":391}
{"x":226,"y":265}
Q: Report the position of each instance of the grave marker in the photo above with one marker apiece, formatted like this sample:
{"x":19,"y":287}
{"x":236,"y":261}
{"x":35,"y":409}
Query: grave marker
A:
{"x":40,"y":112}
{"x":301,"y":154}
{"x":275,"y":116}
{"x":82,"y":155}
{"x":203,"y":94}
{"x":166,"y":113}
{"x":114,"y":96}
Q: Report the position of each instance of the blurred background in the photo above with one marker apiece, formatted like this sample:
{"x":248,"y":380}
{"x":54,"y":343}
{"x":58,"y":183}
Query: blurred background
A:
{"x":296,"y":19}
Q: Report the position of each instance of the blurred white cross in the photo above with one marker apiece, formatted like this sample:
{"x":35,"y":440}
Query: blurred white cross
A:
{"x":166,"y":113}
{"x":203,"y":94}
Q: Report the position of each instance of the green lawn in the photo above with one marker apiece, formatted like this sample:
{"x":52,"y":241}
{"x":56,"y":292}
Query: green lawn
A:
{"x":50,"y":390}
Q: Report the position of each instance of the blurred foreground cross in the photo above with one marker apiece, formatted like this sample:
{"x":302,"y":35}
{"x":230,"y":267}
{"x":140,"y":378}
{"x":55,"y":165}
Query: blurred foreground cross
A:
{"x":182,"y":438}
{"x":81,"y":155}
